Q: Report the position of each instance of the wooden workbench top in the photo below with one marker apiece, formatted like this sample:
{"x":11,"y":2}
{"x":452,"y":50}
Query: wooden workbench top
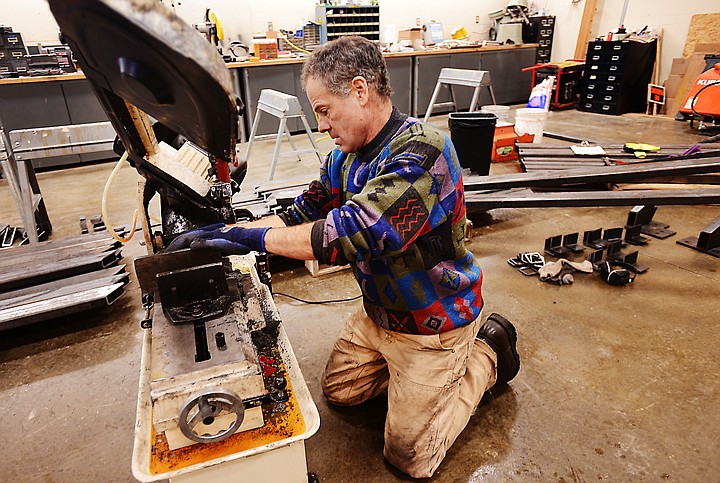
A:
{"x":43,"y":78}
{"x":286,"y":61}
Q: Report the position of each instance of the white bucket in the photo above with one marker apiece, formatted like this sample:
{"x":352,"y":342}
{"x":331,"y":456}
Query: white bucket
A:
{"x":502,"y":112}
{"x":530,"y":120}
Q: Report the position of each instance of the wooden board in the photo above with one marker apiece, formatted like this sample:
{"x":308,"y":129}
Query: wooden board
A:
{"x":585,"y":28}
{"x":703,"y":28}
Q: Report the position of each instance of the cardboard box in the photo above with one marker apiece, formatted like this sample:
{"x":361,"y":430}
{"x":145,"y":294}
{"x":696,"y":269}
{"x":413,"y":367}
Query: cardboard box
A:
{"x":695,"y":67}
{"x":679,"y":66}
{"x":411,"y":34}
{"x":710,"y":48}
{"x":673,"y":84}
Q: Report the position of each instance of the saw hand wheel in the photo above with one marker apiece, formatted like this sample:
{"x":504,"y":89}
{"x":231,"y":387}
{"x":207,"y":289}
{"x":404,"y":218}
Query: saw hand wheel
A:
{"x":201,"y":410}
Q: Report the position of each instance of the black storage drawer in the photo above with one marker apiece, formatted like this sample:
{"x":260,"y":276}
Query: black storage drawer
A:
{"x":607,"y":47}
{"x":14,"y":65}
{"x":608,"y":68}
{"x":606,"y":58}
{"x":602,"y":77}
{"x":12,"y":39}
{"x":599,"y":106}
{"x":15,"y":53}
{"x":21,"y":66}
{"x":601,"y":87}
{"x":601,"y":97}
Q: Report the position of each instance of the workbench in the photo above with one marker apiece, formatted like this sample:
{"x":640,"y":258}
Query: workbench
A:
{"x":413,"y":76}
{"x":34,"y":102}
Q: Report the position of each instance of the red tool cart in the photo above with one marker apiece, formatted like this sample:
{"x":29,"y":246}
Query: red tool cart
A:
{"x":568,"y":79}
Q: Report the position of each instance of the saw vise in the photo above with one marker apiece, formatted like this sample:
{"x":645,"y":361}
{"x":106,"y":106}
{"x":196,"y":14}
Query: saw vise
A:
{"x":221,"y":396}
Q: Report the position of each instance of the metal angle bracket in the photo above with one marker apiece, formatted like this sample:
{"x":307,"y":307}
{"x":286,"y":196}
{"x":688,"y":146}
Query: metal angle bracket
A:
{"x":629,"y":259}
{"x":633,"y":236}
{"x":593,"y":239}
{"x":559,"y":245}
{"x":707,"y":242}
{"x":596,"y":258}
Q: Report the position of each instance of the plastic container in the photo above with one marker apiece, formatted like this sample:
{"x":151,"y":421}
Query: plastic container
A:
{"x":502,"y":112}
{"x":472,"y":134}
{"x":530,"y":120}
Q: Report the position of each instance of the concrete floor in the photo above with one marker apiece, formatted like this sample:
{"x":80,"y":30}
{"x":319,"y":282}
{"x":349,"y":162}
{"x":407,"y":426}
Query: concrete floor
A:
{"x":617,"y":383}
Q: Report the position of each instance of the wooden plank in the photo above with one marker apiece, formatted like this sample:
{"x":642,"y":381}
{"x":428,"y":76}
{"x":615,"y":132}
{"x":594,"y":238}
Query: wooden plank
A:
{"x":585,"y":28}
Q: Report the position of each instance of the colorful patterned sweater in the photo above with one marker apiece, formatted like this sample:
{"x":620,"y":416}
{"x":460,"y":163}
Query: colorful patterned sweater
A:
{"x":395,"y":211}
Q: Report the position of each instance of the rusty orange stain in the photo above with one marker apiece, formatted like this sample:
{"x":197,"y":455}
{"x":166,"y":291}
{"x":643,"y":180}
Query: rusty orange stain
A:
{"x":282,"y":421}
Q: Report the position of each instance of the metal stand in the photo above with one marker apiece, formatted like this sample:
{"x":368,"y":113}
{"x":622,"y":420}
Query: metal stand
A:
{"x":707,"y":242}
{"x":284,"y":107}
{"x":25,"y":190}
{"x":643,"y":215}
{"x":461,"y":77}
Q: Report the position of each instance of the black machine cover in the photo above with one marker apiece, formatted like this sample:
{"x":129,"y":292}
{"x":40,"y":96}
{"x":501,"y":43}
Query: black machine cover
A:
{"x":139,"y":51}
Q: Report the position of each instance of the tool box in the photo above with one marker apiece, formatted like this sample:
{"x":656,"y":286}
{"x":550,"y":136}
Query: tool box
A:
{"x":504,"y":148}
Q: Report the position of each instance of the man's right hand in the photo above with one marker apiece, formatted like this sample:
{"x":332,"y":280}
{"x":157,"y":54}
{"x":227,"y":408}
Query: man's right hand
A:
{"x":227,"y":240}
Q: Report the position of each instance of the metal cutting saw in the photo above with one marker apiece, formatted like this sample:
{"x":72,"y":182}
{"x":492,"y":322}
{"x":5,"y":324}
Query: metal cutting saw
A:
{"x":221,"y":396}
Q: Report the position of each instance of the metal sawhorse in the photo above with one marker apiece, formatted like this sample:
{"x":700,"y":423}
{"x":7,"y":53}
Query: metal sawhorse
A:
{"x":283,"y":106}
{"x":461,"y":77}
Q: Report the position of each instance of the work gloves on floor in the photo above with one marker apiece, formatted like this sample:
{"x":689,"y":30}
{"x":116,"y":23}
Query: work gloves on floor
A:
{"x":229,"y":240}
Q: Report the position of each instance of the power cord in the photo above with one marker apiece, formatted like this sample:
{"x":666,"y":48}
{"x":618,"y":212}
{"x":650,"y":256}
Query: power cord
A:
{"x":317,"y":302}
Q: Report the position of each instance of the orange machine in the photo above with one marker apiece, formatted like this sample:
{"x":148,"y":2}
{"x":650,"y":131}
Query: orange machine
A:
{"x":703,"y":100}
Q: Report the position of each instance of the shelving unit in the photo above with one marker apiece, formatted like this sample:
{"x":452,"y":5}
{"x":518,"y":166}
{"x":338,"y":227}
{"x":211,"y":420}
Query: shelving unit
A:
{"x":340,"y":20}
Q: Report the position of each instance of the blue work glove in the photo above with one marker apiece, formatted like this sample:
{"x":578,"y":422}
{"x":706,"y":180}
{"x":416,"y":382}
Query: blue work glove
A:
{"x":228,"y":240}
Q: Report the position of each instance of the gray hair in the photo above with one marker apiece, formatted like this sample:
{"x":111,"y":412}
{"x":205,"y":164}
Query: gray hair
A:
{"x":336,"y":63}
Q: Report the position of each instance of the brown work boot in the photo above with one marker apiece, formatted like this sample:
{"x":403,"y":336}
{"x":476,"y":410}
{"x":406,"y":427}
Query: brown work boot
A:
{"x":501,"y":336}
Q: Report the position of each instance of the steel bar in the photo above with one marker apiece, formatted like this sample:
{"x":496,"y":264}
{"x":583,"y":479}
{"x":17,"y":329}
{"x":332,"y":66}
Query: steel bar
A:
{"x":64,"y":286}
{"x":565,"y":150}
{"x":67,"y":304}
{"x":564,"y":137}
{"x":44,"y":295}
{"x":528,"y":199}
{"x":27,"y":274}
{"x":62,"y":140}
{"x":54,"y":255}
{"x":78,"y":243}
{"x":682,"y":165}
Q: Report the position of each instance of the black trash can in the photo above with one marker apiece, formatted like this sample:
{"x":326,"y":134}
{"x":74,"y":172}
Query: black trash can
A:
{"x":472,"y":134}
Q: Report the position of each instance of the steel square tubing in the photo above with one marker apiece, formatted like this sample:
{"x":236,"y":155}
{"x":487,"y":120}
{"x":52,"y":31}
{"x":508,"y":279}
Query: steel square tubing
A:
{"x":26,"y":274}
{"x":682,"y":165}
{"x":530,"y":199}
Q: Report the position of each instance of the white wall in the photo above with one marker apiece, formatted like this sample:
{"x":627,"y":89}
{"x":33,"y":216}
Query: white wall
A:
{"x":244,"y":17}
{"x":672,"y":16}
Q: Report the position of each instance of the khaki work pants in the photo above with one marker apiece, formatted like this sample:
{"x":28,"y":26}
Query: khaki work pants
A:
{"x":434,"y":383}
